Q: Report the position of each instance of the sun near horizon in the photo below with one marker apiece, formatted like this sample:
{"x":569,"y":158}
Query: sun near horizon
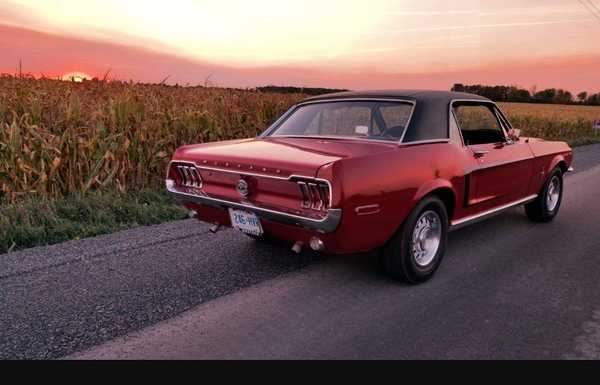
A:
{"x":76,"y":76}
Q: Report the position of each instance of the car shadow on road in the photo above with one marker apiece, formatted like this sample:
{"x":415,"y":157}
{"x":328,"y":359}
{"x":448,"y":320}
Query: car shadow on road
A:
{"x":366,"y":266}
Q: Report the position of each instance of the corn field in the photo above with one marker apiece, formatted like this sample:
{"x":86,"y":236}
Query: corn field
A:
{"x":61,"y":137}
{"x":572,"y":123}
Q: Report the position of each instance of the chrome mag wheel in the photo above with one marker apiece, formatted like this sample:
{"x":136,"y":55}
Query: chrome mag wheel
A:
{"x":426,"y":238}
{"x":553,"y":194}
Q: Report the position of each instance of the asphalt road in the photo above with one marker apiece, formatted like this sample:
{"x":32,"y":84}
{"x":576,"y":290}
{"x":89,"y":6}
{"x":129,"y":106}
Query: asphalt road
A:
{"x":508,"y":288}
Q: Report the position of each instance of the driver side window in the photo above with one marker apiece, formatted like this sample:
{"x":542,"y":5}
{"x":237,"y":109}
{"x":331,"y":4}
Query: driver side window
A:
{"x":479,"y":124}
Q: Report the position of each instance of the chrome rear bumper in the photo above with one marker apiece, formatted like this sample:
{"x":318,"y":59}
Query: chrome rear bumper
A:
{"x":325,"y":225}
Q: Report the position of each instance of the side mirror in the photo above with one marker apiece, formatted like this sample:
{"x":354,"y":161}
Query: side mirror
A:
{"x":514,"y":134}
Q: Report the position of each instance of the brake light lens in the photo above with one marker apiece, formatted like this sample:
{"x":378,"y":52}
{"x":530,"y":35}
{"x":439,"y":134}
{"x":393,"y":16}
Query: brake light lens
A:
{"x":189,"y":176}
{"x":315,"y":195}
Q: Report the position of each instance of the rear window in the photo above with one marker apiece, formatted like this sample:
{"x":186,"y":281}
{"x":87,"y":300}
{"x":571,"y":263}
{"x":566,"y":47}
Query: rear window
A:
{"x":377,"y":120}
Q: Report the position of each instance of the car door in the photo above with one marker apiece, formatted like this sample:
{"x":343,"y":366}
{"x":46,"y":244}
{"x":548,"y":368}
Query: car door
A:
{"x":503,"y":168}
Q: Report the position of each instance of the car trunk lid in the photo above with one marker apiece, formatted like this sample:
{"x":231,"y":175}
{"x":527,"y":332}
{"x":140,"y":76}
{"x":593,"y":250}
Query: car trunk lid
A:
{"x":278,"y":172}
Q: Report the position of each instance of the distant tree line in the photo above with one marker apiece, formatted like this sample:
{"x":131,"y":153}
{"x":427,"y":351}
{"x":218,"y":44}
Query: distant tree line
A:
{"x":299,"y":90}
{"x":515,"y":94}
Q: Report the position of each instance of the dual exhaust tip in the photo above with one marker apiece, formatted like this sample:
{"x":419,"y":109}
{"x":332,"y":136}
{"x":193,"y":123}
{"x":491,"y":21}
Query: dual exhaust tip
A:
{"x":315,"y":243}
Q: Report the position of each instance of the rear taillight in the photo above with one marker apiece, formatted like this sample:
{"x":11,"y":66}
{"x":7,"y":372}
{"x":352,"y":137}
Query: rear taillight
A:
{"x":189,"y":176}
{"x":315,"y":195}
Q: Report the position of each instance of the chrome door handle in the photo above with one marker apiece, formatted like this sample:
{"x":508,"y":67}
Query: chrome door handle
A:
{"x":480,"y":153}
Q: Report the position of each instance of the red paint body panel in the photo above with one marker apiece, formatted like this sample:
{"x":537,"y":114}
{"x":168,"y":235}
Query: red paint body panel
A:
{"x":375,"y":184}
{"x":547,"y":156}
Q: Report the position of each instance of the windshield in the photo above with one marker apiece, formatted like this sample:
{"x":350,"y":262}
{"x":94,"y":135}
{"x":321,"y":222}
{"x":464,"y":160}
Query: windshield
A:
{"x":378,"y":120}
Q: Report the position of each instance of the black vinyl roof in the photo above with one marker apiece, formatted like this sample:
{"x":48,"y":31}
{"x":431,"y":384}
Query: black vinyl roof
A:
{"x":418,"y":95}
{"x":430,"y":117}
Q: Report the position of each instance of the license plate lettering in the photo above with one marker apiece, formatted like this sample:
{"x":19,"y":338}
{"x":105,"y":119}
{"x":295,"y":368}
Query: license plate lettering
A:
{"x":246,"y":222}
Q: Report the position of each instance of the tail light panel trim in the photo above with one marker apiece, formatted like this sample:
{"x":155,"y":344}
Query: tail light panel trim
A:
{"x":293,"y":178}
{"x":327,"y":224}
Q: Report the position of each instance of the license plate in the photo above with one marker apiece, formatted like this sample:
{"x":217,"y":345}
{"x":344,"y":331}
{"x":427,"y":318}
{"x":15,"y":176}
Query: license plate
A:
{"x":246,"y":222}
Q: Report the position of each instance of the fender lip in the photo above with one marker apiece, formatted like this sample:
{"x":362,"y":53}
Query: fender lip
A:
{"x":326,"y":225}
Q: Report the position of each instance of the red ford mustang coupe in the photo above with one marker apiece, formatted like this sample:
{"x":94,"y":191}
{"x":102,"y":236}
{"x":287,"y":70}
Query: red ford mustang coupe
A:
{"x":386,"y":170}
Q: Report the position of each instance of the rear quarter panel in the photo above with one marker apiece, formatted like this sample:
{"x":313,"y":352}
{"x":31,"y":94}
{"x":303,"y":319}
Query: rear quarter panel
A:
{"x":396,"y":181}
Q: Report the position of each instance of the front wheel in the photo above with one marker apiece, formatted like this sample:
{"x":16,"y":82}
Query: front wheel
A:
{"x":545,"y":207}
{"x":415,"y":252}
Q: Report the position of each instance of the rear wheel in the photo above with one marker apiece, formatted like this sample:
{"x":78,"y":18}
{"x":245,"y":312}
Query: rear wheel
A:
{"x":415,"y":252}
{"x":545,"y":207}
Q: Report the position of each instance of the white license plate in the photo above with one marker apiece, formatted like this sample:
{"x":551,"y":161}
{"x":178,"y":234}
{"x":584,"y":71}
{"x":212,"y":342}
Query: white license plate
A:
{"x":246,"y":222}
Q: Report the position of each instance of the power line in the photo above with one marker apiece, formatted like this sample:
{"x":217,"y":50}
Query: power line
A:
{"x":594,"y":6}
{"x":591,"y":10}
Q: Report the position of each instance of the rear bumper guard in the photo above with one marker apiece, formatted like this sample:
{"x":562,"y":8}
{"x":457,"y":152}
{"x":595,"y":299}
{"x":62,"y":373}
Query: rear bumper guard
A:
{"x":326,"y":225}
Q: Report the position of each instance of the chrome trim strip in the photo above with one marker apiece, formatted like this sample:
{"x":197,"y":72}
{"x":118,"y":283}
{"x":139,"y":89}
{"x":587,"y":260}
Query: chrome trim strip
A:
{"x":306,"y":201}
{"x":336,"y":137}
{"x":429,"y":141}
{"x":503,"y":125}
{"x":277,"y":122}
{"x":359,"y":99}
{"x":367,"y":210}
{"x":499,"y":111}
{"x":316,"y":195}
{"x":488,"y":213}
{"x":273,"y":127}
{"x":200,"y":182}
{"x":325,"y":225}
{"x":452,"y":115}
{"x":290,"y":178}
{"x":323,"y":195}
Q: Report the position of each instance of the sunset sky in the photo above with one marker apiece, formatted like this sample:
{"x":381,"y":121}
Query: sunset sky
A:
{"x":330,"y":43}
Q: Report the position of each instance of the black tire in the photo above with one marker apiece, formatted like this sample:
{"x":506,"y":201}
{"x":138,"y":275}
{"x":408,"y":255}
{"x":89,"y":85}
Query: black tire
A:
{"x":398,"y":259}
{"x":541,"y":210}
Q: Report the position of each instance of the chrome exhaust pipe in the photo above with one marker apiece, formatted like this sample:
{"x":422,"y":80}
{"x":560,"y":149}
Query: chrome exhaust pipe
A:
{"x":297,"y":248}
{"x":317,"y":244}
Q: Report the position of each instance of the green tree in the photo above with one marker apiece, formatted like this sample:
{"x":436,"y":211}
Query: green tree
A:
{"x":563,"y":97}
{"x":545,"y":96}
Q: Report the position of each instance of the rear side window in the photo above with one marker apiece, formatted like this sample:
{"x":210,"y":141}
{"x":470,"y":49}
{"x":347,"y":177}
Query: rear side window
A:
{"x":478,"y":124}
{"x":395,"y":116}
{"x":455,"y":136}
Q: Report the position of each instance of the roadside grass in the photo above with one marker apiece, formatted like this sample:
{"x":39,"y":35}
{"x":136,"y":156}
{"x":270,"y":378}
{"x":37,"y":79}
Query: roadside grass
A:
{"x":39,"y":221}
